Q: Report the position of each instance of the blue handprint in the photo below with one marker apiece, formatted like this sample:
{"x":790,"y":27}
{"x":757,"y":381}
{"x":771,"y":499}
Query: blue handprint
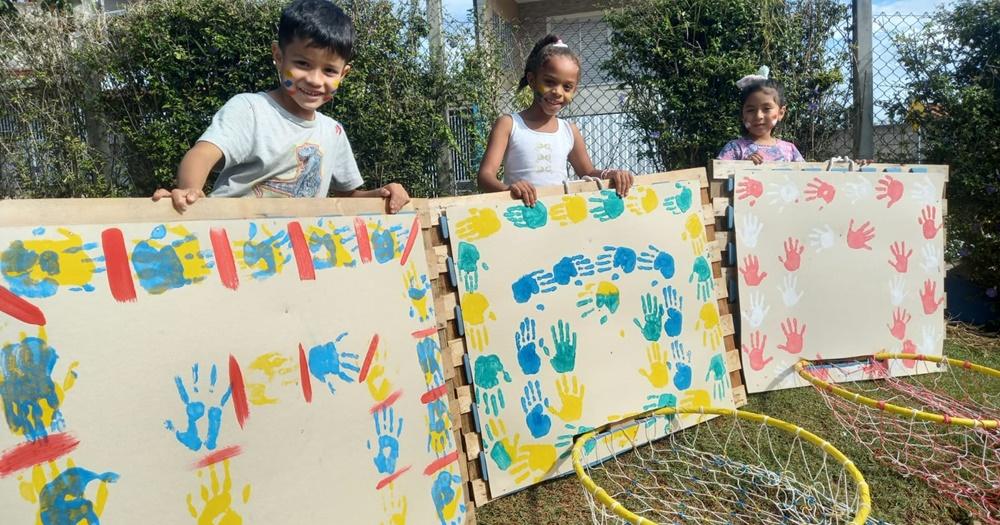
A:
{"x":25,"y":382}
{"x":450,"y":510}
{"x":488,"y":371}
{"x":523,"y":216}
{"x":569,"y":267}
{"x":565,"y":440}
{"x":327,"y":363}
{"x":388,"y":429}
{"x":681,"y":366}
{"x":63,"y":500}
{"x":702,"y":270}
{"x":621,"y":258}
{"x":534,"y":405}
{"x":564,"y":340}
{"x":675,"y":319}
{"x":528,"y":285}
{"x":527,"y":348}
{"x":654,"y":259}
{"x":720,"y":378}
{"x":468,"y":265}
{"x":195,"y":410}
{"x":607,"y":205}
{"x":439,"y":425}
{"x":158,"y":269}
{"x":387,"y":243}
{"x":429,"y":357}
{"x":681,"y":202}
{"x":652,"y":318}
{"x":660,"y":401}
{"x":332,"y":246}
{"x":266,"y":251}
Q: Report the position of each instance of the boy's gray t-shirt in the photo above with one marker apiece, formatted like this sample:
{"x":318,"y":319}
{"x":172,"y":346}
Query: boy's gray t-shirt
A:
{"x":271,"y":153}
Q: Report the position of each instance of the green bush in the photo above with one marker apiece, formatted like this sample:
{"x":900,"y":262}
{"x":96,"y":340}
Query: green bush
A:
{"x":954,"y":100}
{"x":679,"y":61}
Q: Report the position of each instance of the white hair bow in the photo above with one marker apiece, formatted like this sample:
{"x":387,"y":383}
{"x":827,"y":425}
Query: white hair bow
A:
{"x":761,"y":76}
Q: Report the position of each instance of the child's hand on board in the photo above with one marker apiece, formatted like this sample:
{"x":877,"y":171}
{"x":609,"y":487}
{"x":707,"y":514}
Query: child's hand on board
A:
{"x":396,"y":196}
{"x":757,"y":158}
{"x":524,"y":190}
{"x":621,"y":180}
{"x":181,"y":198}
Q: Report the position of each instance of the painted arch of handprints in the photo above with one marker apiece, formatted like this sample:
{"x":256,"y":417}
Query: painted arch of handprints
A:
{"x":581,"y":310}
{"x":837,"y":265}
{"x":230,"y":371}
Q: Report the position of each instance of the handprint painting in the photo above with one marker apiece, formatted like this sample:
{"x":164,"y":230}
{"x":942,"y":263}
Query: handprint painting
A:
{"x":223,"y":372}
{"x":604,"y":307}
{"x":837,"y":265}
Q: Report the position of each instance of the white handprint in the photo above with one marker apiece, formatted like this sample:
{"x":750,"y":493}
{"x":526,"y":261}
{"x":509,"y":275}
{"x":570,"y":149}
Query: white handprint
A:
{"x":758,"y":310}
{"x":789,"y":295}
{"x":932,"y":258}
{"x":860,"y":190}
{"x":821,"y":238}
{"x":751,"y":230}
{"x":929,"y":340}
{"x":783,"y":192}
{"x":897,"y":290}
{"x":923,"y":192}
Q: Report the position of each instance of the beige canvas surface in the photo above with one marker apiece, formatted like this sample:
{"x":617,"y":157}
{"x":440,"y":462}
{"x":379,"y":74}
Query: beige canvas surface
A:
{"x":837,"y":265}
{"x":341,"y":378}
{"x":580,"y":311}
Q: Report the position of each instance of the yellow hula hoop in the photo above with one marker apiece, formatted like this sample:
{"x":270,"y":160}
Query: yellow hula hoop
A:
{"x":861,"y":512}
{"x":991,"y":424}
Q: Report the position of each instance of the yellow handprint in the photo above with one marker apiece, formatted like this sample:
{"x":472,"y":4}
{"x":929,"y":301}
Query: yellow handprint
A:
{"x":327,"y":244}
{"x":696,"y":399}
{"x":501,"y":449}
{"x":480,"y":224}
{"x":379,"y":386}
{"x":533,"y":461}
{"x":642,"y":200}
{"x":36,"y":264}
{"x":571,"y":397}
{"x":708,"y":320}
{"x":475,"y":312}
{"x":572,"y":209}
{"x":658,"y":374}
{"x":61,"y":496}
{"x":217,"y":501}
{"x":263,"y":371}
{"x":417,"y":291}
{"x":624,"y":437}
{"x":394,"y":507}
{"x":694,"y":232}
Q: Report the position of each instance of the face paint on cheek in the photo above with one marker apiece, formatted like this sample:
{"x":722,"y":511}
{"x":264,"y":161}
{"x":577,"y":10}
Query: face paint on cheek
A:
{"x":335,"y":85}
{"x":774,"y":123}
{"x":287,"y":83}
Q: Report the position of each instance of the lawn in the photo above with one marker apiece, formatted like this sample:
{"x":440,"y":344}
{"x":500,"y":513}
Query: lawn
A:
{"x":895,"y":499}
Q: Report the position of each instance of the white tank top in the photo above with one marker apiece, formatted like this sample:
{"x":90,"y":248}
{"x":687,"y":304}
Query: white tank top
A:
{"x":537,"y":157}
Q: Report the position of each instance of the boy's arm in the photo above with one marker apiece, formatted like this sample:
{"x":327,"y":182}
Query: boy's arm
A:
{"x":191,"y":175}
{"x":395,"y":193}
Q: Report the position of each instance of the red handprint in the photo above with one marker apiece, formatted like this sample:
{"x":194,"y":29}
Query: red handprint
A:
{"x":927,"y":297}
{"x":901,"y":256}
{"x":909,"y":348}
{"x":749,"y":188}
{"x":793,"y":252}
{"x":819,"y":189}
{"x":756,"y":351}
{"x":889,"y":188}
{"x":875,"y":369}
{"x":793,"y":337}
{"x":859,"y":238}
{"x":820,"y":371}
{"x":751,"y":271}
{"x":899,"y":319}
{"x":928,"y":218}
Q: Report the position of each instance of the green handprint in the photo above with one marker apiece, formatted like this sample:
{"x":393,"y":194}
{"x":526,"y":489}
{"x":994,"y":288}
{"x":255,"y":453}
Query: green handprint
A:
{"x":565,"y":342}
{"x":527,"y":217}
{"x":607,"y":206}
{"x":652,"y":313}
{"x":468,"y":265}
{"x":720,"y":378}
{"x":488,"y":372}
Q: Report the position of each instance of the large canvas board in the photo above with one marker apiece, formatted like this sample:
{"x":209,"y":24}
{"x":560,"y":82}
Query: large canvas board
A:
{"x":583,"y":310}
{"x":836,"y":265}
{"x":223,"y":371}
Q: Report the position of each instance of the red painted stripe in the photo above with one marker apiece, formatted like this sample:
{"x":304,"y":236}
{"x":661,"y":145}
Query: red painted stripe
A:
{"x":414,"y":234}
{"x":20,"y":309}
{"x":30,"y":454}
{"x":239,"y":392}
{"x":116,"y":262}
{"x":436,"y":393}
{"x":224,"y":260}
{"x":218,"y":455}
{"x":426,"y":332}
{"x":372,"y":346}
{"x":393,"y":397}
{"x":440,"y":463}
{"x":307,"y":389}
{"x":364,"y":243}
{"x":303,"y":259}
{"x":391,"y":477}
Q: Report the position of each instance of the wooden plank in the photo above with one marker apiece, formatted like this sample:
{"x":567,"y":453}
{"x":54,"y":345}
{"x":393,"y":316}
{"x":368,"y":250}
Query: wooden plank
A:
{"x":728,"y":327}
{"x":480,"y":494}
{"x":733,"y":361}
{"x":464,"y":394}
{"x":740,"y":396}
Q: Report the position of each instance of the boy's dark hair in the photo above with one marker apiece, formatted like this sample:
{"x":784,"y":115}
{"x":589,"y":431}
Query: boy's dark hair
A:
{"x":319,"y":22}
{"x":760,"y":85}
{"x":543,"y":51}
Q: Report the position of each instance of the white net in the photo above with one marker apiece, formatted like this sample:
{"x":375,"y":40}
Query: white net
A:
{"x":730,"y":470}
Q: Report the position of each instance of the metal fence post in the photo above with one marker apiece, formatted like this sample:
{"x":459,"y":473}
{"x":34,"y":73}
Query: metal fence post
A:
{"x":445,"y":171}
{"x":864,"y":125}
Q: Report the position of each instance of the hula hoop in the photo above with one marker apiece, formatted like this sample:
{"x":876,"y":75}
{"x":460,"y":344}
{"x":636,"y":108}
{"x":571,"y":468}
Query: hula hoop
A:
{"x":864,"y":496}
{"x":990,"y":424}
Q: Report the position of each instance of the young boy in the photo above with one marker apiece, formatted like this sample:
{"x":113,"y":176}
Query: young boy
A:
{"x":275,"y":144}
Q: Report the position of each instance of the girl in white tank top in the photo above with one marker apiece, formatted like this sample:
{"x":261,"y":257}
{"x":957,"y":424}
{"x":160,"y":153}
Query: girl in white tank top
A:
{"x":534,"y":145}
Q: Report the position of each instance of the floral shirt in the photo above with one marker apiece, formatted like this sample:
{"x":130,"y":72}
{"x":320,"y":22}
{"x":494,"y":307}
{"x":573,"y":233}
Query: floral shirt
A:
{"x":741,"y":149}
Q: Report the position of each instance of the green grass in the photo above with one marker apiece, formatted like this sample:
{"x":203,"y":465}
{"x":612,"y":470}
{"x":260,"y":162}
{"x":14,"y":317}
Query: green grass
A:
{"x":895,"y":499}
